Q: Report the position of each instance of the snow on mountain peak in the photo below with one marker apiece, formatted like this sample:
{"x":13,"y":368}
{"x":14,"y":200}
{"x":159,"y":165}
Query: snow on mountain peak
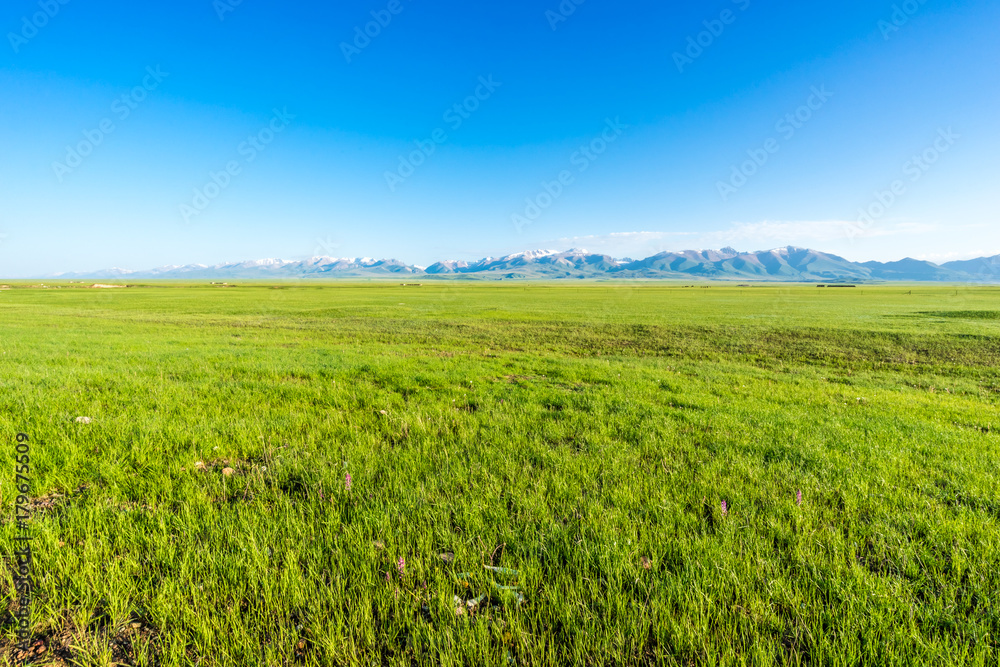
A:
{"x":532,"y":254}
{"x":265,"y":262}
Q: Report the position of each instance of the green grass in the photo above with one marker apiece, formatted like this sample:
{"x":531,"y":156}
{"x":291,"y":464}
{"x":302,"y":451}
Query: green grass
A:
{"x":576,"y":434}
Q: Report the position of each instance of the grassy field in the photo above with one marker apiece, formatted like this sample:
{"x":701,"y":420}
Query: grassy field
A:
{"x":579,"y":438}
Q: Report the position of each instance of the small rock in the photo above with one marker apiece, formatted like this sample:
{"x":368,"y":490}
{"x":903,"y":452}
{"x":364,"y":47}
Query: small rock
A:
{"x":227,"y":471}
{"x":136,"y":626}
{"x":383,"y":412}
{"x":200,"y":465}
{"x":447,"y":557}
{"x":83,"y":420}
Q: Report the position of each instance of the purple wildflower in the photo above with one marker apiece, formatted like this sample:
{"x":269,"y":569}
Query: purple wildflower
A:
{"x":347,"y":481}
{"x":725,"y":508}
{"x":798,"y":497}
{"x":401,"y":565}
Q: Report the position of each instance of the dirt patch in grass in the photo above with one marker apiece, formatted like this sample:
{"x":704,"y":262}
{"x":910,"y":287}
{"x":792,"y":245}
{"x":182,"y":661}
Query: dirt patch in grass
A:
{"x":51,"y":503}
{"x":134,"y":643}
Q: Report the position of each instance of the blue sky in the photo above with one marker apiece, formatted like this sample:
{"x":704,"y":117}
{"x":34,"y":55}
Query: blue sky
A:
{"x":199,"y":131}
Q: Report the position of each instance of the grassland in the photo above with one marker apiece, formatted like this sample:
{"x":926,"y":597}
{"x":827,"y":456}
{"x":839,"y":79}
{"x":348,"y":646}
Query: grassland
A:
{"x":582,"y":435}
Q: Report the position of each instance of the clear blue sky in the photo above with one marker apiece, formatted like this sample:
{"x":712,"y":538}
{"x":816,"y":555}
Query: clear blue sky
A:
{"x":658,"y":177}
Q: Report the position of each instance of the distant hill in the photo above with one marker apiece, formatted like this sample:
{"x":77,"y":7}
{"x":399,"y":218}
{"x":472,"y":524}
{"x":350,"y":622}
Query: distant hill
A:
{"x":265,"y":268}
{"x":913,"y":270}
{"x":795,"y":264}
{"x":789,"y":264}
{"x":984,"y":268}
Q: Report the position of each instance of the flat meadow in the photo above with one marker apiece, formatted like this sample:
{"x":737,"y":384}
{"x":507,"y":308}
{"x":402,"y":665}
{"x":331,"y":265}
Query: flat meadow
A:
{"x":508,"y":474}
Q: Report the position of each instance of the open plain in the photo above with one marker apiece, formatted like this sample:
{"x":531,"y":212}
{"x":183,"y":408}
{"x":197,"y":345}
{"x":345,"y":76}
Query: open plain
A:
{"x":530,"y":474}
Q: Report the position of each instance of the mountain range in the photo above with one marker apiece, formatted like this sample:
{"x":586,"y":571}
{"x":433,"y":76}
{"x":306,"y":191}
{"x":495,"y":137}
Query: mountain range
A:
{"x":789,"y":264}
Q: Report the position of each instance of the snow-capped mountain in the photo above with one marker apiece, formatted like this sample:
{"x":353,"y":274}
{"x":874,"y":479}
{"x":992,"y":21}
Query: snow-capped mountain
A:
{"x":549,"y":262}
{"x":790,"y":264}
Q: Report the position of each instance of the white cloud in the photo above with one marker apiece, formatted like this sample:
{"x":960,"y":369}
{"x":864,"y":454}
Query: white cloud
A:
{"x":765,"y":235}
{"x":626,"y":237}
{"x":625,"y":244}
{"x":942,"y":257}
{"x":780,"y":233}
